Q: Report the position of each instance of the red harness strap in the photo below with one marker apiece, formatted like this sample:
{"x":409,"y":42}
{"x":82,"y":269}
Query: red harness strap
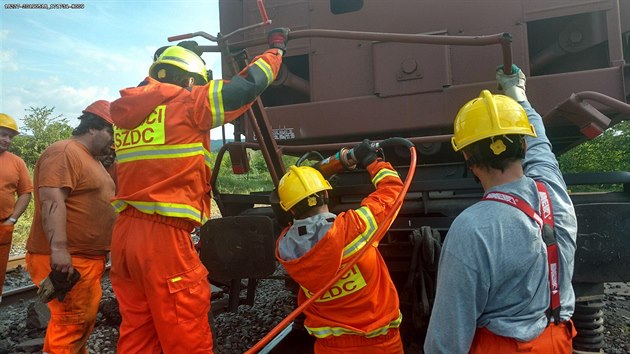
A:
{"x":544,"y":219}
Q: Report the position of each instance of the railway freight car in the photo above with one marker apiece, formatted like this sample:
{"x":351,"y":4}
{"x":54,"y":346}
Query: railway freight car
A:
{"x":376,"y":69}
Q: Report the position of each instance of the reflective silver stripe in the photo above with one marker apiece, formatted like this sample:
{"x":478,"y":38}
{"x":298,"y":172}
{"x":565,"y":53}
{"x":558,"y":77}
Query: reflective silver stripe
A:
{"x":119,"y":205}
{"x":360,"y":241}
{"x":215,"y":97}
{"x":266,"y":68}
{"x":163,"y":152}
{"x":162,"y":208}
{"x":384,"y":173}
{"x":323,"y":332}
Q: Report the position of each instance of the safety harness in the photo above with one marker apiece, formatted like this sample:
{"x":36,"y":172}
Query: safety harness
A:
{"x":544,"y":219}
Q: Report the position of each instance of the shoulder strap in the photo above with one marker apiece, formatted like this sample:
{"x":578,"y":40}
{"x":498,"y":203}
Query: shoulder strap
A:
{"x":544,"y":219}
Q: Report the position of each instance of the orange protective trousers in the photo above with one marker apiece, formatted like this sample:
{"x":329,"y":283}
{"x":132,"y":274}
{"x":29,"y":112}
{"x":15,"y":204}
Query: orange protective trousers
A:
{"x":6,"y":235}
{"x":389,"y":343}
{"x":555,"y":339}
{"x":71,"y":320}
{"x":162,"y":288}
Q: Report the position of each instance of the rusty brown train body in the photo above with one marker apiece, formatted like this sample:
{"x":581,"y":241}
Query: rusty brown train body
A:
{"x":376,"y":69}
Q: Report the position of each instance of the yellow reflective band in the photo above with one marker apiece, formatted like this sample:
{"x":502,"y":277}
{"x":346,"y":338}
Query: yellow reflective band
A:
{"x":150,"y":132}
{"x":382,"y":174}
{"x":119,"y":205}
{"x":360,"y":241}
{"x":351,"y":282}
{"x":163,"y":152}
{"x":323,"y":332}
{"x":167,"y":209}
{"x":176,"y":279}
{"x":215,"y":97}
{"x":266,"y":68}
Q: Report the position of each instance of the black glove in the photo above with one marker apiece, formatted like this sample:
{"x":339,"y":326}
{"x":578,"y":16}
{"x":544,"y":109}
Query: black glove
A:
{"x":364,"y":153}
{"x":57,"y":285}
{"x":278,"y":38}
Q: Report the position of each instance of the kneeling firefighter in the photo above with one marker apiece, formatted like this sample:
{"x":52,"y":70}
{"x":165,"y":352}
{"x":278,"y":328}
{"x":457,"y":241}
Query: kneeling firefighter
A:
{"x":360,"y":313}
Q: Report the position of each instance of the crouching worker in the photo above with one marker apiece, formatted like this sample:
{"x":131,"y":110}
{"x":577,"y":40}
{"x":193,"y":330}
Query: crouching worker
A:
{"x":360,"y":313}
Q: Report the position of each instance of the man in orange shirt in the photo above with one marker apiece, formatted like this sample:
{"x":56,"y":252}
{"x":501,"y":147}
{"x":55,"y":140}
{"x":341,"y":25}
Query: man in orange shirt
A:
{"x":162,"y":137}
{"x":72,"y":227}
{"x":14,"y":179}
{"x":360,"y":314}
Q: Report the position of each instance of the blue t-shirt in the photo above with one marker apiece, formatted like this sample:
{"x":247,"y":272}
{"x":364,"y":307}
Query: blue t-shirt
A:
{"x":493,"y":267}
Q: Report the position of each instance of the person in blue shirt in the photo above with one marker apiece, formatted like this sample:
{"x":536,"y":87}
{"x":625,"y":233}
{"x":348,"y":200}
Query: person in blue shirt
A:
{"x":504,"y":277}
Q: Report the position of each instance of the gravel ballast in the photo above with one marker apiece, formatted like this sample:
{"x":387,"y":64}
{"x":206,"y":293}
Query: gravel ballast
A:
{"x":236,"y":332}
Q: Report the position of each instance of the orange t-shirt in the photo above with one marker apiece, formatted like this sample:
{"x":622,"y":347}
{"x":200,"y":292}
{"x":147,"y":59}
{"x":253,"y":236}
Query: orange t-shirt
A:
{"x":14,"y":179}
{"x":112,"y":171}
{"x":90,"y":216}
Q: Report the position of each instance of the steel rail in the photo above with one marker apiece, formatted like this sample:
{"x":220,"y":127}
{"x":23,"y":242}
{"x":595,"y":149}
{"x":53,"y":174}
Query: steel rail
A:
{"x":16,"y":262}
{"x":28,"y":292}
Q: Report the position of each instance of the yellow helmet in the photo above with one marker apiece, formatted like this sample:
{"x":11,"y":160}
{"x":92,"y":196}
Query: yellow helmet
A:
{"x":489,"y":115}
{"x":7,"y":121}
{"x":182,"y":58}
{"x":298,"y":183}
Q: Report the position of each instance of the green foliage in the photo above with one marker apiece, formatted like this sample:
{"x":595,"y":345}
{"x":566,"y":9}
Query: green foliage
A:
{"x":257,"y":179}
{"x":23,"y":226}
{"x":40,"y":130}
{"x":609,"y":152}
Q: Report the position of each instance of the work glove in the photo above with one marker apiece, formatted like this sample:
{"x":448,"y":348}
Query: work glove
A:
{"x":513,"y":85}
{"x":364,"y":153}
{"x":57,"y":285}
{"x":278,"y":38}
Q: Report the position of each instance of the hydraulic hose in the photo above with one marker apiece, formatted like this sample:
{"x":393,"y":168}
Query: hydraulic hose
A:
{"x":378,"y":235}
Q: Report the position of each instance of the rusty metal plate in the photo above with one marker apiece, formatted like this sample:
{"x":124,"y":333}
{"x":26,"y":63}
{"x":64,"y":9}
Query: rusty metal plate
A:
{"x":238,"y":247}
{"x":402,"y":69}
{"x":603,"y":243}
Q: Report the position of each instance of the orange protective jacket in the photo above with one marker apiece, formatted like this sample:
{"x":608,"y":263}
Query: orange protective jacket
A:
{"x":364,"y":301}
{"x":162,"y":138}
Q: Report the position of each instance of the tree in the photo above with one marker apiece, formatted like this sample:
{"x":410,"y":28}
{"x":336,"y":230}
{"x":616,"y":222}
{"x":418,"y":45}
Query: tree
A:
{"x":40,"y":130}
{"x":609,"y":152}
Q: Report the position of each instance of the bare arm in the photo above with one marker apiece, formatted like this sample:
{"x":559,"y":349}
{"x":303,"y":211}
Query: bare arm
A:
{"x":20,"y":205}
{"x":53,"y":208}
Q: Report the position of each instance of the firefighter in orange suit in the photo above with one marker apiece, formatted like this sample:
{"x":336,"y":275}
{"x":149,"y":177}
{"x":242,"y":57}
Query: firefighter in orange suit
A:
{"x":162,"y":139}
{"x":360,"y":313}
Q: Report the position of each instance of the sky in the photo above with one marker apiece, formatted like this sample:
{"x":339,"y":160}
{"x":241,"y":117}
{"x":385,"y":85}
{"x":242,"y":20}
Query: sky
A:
{"x":68,"y":58}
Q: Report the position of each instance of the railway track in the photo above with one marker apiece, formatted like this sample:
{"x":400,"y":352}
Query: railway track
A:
{"x":13,"y":296}
{"x":16,"y":295}
{"x":16,"y":262}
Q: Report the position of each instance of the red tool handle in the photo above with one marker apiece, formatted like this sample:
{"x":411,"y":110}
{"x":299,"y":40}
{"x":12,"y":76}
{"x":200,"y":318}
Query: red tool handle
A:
{"x":263,"y":12}
{"x":180,"y":37}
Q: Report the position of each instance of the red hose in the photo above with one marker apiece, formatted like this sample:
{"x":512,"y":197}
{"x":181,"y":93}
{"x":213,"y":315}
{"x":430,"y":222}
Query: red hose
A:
{"x":377,"y":237}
